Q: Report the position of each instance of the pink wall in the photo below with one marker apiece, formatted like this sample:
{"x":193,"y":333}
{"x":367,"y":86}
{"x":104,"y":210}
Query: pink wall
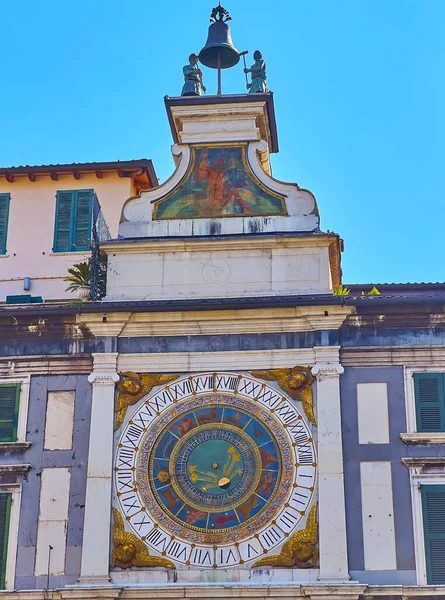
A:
{"x":31,"y":231}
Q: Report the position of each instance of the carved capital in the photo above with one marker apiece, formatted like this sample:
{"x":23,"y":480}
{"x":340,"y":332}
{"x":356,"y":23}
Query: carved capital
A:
{"x":326,"y":371}
{"x":103,"y":378}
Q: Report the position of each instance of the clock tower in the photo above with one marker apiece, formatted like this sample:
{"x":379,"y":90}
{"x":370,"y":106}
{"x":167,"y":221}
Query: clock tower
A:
{"x":215,"y":446}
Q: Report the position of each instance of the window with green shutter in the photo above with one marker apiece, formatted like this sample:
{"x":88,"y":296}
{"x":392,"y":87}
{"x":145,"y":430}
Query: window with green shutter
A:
{"x":5,"y":510}
{"x":433,"y":508}
{"x":4,"y":214}
{"x":429,"y":390}
{"x":9,"y":411}
{"x":72,"y":231}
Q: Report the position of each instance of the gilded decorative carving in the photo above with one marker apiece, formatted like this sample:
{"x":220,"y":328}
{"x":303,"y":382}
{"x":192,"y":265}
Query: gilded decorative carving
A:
{"x":295,"y":382}
{"x":134,"y":386}
{"x":129,"y":551}
{"x":300,"y":549}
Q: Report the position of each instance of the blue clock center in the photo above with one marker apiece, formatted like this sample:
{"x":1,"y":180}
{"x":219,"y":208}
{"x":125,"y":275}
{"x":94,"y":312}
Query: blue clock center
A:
{"x":215,"y":465}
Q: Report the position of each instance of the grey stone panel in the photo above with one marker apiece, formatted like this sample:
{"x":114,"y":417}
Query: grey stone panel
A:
{"x":385,"y":578}
{"x":26,"y":556}
{"x":366,"y":336}
{"x":106,"y":344}
{"x":73,"y":560}
{"x":228,"y":343}
{"x":25,"y":583}
{"x":54,"y":581}
{"x":75,"y":459}
{"x":19,"y":347}
{"x":354,"y":453}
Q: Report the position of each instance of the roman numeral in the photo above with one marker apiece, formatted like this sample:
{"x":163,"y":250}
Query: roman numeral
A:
{"x":305,"y":455}
{"x":133,"y":434}
{"x":125,"y":481}
{"x":287,"y":520}
{"x":286,"y":413}
{"x":269,"y":397}
{"x":251,"y":551}
{"x":131,"y":502}
{"x":125,"y":458}
{"x":178,"y":550}
{"x":249,"y":388}
{"x":157,"y":538}
{"x":300,"y":498}
{"x":204,"y":384}
{"x":298,"y":432}
{"x":226,"y":556}
{"x":226,"y":383}
{"x":181,"y":389}
{"x":161,"y":400}
{"x":201,"y":556}
{"x":144,"y":416}
{"x":271,"y":536}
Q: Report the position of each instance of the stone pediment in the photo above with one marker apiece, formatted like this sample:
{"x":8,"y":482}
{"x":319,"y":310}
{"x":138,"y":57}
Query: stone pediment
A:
{"x":219,"y":189}
{"x":223,"y":183}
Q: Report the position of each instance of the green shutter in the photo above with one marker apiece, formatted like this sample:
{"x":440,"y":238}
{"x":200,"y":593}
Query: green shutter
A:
{"x":430,"y":401}
{"x":433,"y":508}
{"x":9,"y":411}
{"x":4,"y":214}
{"x":5,"y":509}
{"x":73,"y":220}
{"x":62,"y":231}
{"x":84,"y":207}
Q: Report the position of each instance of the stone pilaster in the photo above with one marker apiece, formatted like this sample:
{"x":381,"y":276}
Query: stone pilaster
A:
{"x":96,"y":535}
{"x":332,"y":518}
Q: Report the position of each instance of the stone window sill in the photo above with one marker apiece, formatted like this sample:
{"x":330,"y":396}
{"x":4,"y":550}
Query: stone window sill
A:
{"x":71,"y":253}
{"x":423,"y":438}
{"x":14,"y":446}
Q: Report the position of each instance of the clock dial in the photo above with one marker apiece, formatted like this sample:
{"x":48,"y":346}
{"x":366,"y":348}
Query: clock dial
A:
{"x":215,"y":478}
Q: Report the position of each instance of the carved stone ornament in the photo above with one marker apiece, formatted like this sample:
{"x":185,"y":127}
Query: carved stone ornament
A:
{"x":300,"y":550}
{"x":129,"y":551}
{"x":295,"y":382}
{"x":134,"y":386}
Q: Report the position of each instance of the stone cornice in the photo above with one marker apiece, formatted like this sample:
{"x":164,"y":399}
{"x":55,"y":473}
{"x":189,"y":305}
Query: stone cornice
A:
{"x":104,"y":324}
{"x":14,"y":446}
{"x":422,"y":461}
{"x":291,"y":591}
{"x":17,"y":469}
{"x":423,"y":438}
{"x":218,"y":322}
{"x":217,"y":244}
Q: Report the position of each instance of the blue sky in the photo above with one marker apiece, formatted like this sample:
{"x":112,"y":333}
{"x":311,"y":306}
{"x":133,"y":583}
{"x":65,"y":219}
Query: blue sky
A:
{"x":359,"y":96}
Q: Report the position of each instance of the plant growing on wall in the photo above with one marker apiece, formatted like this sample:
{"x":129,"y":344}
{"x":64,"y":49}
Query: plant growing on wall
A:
{"x":341,"y":290}
{"x":79,"y":279}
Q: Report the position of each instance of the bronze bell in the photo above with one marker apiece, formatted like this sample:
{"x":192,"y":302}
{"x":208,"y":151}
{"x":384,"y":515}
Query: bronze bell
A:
{"x":219,"y":51}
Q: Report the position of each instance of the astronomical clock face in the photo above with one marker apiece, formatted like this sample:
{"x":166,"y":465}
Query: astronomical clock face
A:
{"x":215,"y":470}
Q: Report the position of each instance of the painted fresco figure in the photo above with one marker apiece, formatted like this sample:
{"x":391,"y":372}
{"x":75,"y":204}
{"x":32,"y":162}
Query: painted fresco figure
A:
{"x":258,"y":70}
{"x":193,"y":85}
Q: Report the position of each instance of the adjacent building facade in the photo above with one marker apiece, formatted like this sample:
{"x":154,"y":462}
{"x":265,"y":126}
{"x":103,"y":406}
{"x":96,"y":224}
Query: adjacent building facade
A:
{"x":220,"y":423}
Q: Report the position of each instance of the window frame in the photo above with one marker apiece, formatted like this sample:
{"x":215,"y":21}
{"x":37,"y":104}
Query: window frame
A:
{"x":411,"y":408}
{"x":22,"y":419}
{"x":4,"y":567}
{"x":417,"y":478}
{"x":73,"y":215}
{"x":18,"y":390}
{"x":8,"y":203}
